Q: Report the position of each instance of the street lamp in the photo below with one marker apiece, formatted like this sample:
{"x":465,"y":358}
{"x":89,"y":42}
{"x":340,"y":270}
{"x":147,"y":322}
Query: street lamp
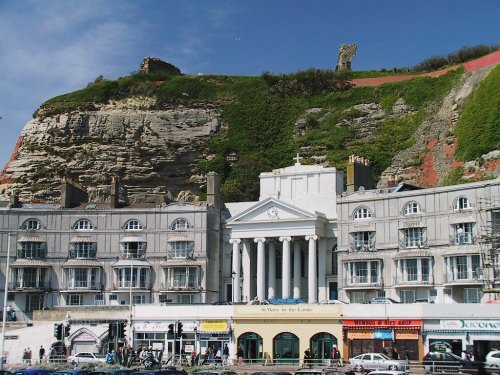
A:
{"x":6,"y":290}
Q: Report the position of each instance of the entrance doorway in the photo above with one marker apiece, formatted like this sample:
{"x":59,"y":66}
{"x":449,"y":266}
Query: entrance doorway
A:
{"x":321,"y":347}
{"x":286,"y":348}
{"x":251,"y":343}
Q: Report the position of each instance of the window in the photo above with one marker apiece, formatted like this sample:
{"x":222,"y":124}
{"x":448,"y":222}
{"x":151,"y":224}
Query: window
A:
{"x":463,"y":233}
{"x":364,"y":272}
{"x":74,"y":300}
{"x":462,"y":203}
{"x":363,"y":241}
{"x":472,"y":295}
{"x":83,"y":250}
{"x":133,"y":225}
{"x":407,"y":296}
{"x":31,"y":250}
{"x":411,"y":208}
{"x":138,"y":299}
{"x":99,"y":299}
{"x":140,"y":277}
{"x":34,"y":302}
{"x":32,"y":224}
{"x":181,"y":249}
{"x":448,"y":293}
{"x":83,"y":224}
{"x":362,"y":213}
{"x":113,"y":297}
{"x":134,"y":249}
{"x":180,"y":224}
{"x":463,"y":267}
{"x":163,"y":298}
{"x":413,"y":270}
{"x":185,"y":298}
{"x":413,"y":237}
{"x":182,"y":278}
{"x":381,"y":294}
{"x":358,"y":297}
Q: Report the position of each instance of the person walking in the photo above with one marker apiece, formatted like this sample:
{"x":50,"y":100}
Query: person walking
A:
{"x":41,"y":353}
{"x":394,"y":354}
{"x":29,"y":356}
{"x":307,"y":357}
{"x":225,"y":355}
{"x":239,"y":356}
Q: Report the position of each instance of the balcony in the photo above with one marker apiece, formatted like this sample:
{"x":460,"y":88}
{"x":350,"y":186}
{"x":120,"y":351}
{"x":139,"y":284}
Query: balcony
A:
{"x":178,"y":286}
{"x":463,"y":278}
{"x":82,"y":254}
{"x":35,"y":254}
{"x":423,"y":281}
{"x":413,"y":244}
{"x":363,"y":282}
{"x":355,"y":247}
{"x":29,"y":286}
{"x":125,"y":284}
{"x":81,"y":286}
{"x":464,"y":239}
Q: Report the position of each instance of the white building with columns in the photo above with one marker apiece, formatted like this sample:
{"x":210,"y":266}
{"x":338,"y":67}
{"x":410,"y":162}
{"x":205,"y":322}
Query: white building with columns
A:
{"x":282,"y":245}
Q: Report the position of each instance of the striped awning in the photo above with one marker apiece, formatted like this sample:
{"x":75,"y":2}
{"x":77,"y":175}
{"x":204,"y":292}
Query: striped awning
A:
{"x":178,"y":238}
{"x":362,"y":255}
{"x":414,"y":254}
{"x":462,"y":219}
{"x":71,"y":263}
{"x":19,"y":263}
{"x":462,"y":250}
{"x":180,"y":262}
{"x":82,"y":239}
{"x":31,"y":238}
{"x":132,"y":239}
{"x":131,"y":263}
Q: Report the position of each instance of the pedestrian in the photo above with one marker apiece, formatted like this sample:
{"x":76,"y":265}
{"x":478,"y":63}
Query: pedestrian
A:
{"x":119,"y":355}
{"x":29,"y":356}
{"x":460,"y":234}
{"x":336,"y":356}
{"x":218,"y":357}
{"x":25,"y":357}
{"x":225,"y":355}
{"x":109,"y":357}
{"x":394,"y":354}
{"x":307,"y":357}
{"x":239,"y":356}
{"x":41,"y":353}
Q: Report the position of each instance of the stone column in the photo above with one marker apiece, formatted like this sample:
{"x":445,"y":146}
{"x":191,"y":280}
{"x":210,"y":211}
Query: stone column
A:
{"x":261,"y":268}
{"x":322,"y":270}
{"x":285,"y":278}
{"x":312,"y":280}
{"x":271,"y":288}
{"x":296,"y":269}
{"x":235,"y":274}
{"x":247,"y":275}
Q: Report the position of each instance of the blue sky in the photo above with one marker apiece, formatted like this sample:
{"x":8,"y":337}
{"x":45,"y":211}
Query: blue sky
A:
{"x":52,"y":47}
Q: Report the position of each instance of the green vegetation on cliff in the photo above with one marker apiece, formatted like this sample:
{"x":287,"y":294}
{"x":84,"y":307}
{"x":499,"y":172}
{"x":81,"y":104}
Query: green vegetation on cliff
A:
{"x":261,"y":114}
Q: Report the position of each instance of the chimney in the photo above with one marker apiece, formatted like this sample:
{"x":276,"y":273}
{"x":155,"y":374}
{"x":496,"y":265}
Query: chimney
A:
{"x":115,"y":192}
{"x":213,"y":189}
{"x":359,"y":173}
{"x":72,"y":194}
{"x":393,"y":180}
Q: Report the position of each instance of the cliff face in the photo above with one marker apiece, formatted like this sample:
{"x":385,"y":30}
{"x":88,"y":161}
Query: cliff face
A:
{"x":152,"y":151}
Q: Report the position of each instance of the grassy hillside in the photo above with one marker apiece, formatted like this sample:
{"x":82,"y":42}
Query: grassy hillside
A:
{"x":261,"y":113}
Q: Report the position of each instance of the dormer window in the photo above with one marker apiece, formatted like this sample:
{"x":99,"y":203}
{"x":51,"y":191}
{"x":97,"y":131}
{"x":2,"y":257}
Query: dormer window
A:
{"x":83,"y":224}
{"x":462,"y":203}
{"x":411,"y":208}
{"x":133,"y":225}
{"x":180,"y":224}
{"x":362,"y":213}
{"x":32,"y":224}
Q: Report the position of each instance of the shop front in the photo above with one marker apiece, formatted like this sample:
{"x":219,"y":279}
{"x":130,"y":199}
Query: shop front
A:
{"x":282,"y":333}
{"x":382,"y":336}
{"x":476,"y":336}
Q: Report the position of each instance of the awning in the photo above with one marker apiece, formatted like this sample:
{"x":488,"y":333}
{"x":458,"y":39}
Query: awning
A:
{"x":71,"y":263}
{"x":462,"y":250}
{"x":132,"y":239}
{"x":411,"y":224}
{"x":82,"y":239}
{"x":362,"y":255}
{"x":31,"y":238}
{"x":462,"y":219}
{"x":131,"y":263}
{"x":19,"y":263}
{"x":180,"y":262}
{"x":414,"y":254}
{"x":178,"y":239}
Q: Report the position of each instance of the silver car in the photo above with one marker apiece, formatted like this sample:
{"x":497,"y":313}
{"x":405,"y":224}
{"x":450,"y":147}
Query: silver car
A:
{"x":376,"y":361}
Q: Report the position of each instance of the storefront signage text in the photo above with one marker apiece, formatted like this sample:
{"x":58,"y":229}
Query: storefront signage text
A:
{"x":214,"y":326}
{"x":471,"y":324}
{"x":284,"y":309}
{"x":383,"y":323}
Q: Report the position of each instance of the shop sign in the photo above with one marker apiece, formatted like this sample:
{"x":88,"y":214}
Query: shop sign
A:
{"x":383,"y":334}
{"x":214,"y":326}
{"x":382,"y":323}
{"x":439,"y":346}
{"x":484,"y":325}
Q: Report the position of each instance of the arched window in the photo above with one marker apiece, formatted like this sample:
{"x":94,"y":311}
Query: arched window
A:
{"x":462,"y":203}
{"x":133,"y":224}
{"x":83,"y":224}
{"x":411,"y":208}
{"x":362,"y":213}
{"x":32,"y":224}
{"x":180,"y":224}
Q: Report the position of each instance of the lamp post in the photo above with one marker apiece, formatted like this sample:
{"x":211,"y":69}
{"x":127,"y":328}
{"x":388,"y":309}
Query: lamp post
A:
{"x":6,"y":290}
{"x":130,"y":300}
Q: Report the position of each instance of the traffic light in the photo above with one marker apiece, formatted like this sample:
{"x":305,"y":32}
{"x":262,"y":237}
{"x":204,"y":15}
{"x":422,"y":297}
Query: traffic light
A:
{"x":111,"y":330}
{"x":171,"y":329}
{"x":58,"y":331}
{"x":66,"y":330}
{"x":121,"y":330}
{"x":179,"y":329}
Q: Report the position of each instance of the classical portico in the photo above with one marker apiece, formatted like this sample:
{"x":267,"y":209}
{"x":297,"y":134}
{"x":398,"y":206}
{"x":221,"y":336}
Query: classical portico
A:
{"x":280,"y":246}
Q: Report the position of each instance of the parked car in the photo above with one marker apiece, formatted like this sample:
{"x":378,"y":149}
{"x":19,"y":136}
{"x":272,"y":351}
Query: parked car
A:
{"x":382,"y":300}
{"x":492,"y":359}
{"x":376,"y":361}
{"x":73,"y":372}
{"x":423,"y":300}
{"x":271,"y":373}
{"x":86,"y":357}
{"x":168,"y":371}
{"x":318,"y":371}
{"x":115,"y":371}
{"x":215,"y":372}
{"x":387,"y":372}
{"x":444,"y":361}
{"x":33,"y":371}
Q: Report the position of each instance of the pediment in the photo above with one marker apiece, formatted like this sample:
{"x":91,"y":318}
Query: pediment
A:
{"x":271,"y":210}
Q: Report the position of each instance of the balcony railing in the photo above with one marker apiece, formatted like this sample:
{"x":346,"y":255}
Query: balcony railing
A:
{"x":180,"y":286}
{"x":407,"y":281}
{"x":464,"y":278}
{"x":463,"y":239}
{"x":133,"y":254}
{"x":368,"y":246}
{"x":82,"y":285}
{"x":416,"y":244}
{"x":134,"y":285}
{"x":82,"y":254}
{"x":39,"y":254}
{"x":363,"y":281}
{"x":36,"y":285}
